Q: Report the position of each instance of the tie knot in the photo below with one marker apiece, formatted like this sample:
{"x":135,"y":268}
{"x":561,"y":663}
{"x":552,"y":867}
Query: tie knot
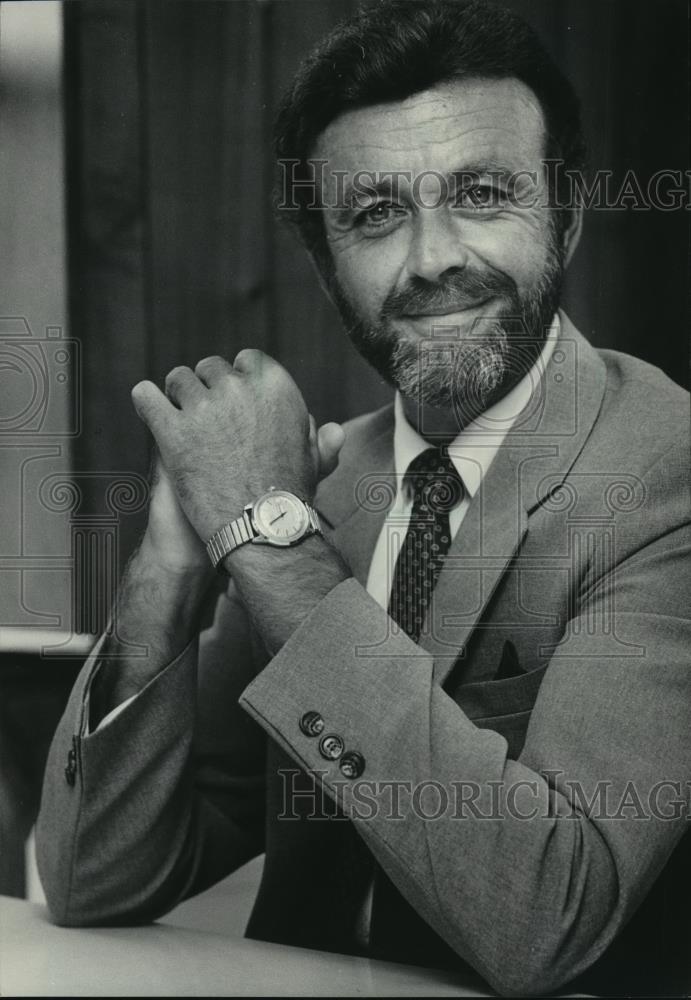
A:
{"x":433,"y":481}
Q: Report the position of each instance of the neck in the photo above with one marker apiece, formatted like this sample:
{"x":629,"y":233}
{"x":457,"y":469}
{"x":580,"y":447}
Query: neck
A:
{"x":439,"y":426}
{"x":443,"y":424}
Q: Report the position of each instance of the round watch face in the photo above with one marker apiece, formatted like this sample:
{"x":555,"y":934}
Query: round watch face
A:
{"x":280,"y":517}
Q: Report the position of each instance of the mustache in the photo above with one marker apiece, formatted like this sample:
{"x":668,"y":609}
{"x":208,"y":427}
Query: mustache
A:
{"x":458,"y":290}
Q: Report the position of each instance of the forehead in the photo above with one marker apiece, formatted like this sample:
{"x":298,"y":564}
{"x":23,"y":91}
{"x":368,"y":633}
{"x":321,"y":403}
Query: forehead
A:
{"x":454,"y":124}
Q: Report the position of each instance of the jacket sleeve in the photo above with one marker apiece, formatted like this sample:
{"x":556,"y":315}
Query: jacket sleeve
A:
{"x":527,"y":868}
{"x":163,"y":800}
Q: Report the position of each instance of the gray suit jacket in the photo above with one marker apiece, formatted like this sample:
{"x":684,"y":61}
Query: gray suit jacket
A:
{"x":539,"y":734}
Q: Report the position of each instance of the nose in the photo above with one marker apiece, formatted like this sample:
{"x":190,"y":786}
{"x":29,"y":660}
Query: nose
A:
{"x":436,"y":245}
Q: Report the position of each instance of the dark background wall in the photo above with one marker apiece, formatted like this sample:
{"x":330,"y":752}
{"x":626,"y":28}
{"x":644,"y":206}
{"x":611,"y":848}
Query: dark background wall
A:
{"x":173,"y":251}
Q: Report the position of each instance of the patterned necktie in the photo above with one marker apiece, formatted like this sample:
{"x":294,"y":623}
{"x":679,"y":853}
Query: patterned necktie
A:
{"x":436,"y":489}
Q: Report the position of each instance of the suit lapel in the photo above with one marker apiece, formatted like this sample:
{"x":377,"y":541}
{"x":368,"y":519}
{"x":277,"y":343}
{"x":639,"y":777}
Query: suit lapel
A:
{"x":532,"y":462}
{"x":476,"y":561}
{"x":355,"y":499}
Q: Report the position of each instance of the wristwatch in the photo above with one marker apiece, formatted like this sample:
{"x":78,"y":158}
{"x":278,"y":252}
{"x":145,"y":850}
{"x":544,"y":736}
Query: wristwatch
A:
{"x":276,"y":518}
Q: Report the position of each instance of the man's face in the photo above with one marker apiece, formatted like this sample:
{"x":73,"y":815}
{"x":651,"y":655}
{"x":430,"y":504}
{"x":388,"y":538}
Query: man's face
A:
{"x":446,"y":237}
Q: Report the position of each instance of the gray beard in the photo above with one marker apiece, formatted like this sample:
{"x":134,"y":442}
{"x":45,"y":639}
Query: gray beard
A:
{"x":463,"y":373}
{"x":477,"y":367}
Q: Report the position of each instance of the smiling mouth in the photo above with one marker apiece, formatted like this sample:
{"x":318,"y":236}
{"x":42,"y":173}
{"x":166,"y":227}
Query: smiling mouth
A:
{"x":445,"y":310}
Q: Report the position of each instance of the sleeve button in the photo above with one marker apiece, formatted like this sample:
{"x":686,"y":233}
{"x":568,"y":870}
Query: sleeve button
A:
{"x":331,"y":746}
{"x":71,"y":769}
{"x":352,"y":764}
{"x":312,"y":724}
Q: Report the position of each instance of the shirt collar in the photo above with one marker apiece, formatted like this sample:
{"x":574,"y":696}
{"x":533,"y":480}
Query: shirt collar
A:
{"x":473,"y":450}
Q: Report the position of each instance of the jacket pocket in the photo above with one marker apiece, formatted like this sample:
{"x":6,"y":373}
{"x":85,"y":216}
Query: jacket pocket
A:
{"x":485,"y":700}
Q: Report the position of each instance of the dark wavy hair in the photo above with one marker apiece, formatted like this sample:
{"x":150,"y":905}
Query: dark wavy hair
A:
{"x":396,"y":48}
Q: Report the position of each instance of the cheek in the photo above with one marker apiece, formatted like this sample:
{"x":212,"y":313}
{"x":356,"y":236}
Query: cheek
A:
{"x":514,"y":246}
{"x":366,"y":273}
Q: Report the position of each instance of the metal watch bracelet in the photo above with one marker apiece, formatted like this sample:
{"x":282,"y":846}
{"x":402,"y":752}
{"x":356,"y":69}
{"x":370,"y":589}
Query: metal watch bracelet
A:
{"x":240,"y":531}
{"x":230,"y":537}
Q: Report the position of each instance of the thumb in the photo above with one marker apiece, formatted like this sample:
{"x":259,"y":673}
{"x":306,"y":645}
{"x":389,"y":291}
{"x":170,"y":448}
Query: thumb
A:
{"x":161,"y":484}
{"x":330,"y":438}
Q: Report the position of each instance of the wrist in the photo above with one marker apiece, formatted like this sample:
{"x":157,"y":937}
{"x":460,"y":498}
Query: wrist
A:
{"x":160,"y":603}
{"x":156,"y":614}
{"x":263,"y":558}
{"x":282,"y":586}
{"x":177,"y":568}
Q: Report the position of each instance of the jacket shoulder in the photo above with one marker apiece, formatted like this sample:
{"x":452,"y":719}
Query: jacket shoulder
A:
{"x":368,"y":425}
{"x":368,"y":448}
{"x":644,"y":412}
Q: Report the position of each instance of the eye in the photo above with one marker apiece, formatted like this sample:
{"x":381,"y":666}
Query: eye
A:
{"x":479,"y":197}
{"x":383,"y":215}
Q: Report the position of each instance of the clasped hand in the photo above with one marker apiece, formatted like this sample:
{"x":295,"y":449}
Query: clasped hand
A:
{"x":227,"y":433}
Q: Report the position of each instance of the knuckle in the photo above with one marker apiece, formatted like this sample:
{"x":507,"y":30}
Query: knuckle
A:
{"x":175,"y":374}
{"x":212,"y":361}
{"x":251,"y":357}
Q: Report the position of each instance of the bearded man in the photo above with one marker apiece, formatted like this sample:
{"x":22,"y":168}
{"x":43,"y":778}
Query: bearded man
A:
{"x":447,"y":693}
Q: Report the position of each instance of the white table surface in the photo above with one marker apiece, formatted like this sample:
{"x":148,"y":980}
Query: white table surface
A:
{"x":39,"y":959}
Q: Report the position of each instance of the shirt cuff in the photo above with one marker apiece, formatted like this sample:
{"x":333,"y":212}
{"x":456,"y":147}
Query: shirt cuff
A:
{"x":92,"y":667}
{"x":113,"y":714}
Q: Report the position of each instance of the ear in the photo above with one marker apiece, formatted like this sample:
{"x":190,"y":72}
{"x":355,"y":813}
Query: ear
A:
{"x":572,"y":233}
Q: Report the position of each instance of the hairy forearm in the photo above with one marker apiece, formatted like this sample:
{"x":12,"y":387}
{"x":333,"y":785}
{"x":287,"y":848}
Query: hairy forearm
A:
{"x":156,"y":614}
{"x":281,"y":586}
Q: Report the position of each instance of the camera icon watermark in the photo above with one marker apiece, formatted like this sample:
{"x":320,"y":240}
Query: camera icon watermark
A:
{"x":40,"y":381}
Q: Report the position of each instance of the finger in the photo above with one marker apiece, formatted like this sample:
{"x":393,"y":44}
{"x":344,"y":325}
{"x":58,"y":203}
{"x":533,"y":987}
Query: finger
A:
{"x":313,"y":434}
{"x":152,"y":406}
{"x":251,"y":361}
{"x":211,"y":370}
{"x":162,"y":487}
{"x":183,"y":386}
{"x":159,"y":474}
{"x":159,"y":478}
{"x":313,"y":441}
{"x":330,"y":439}
{"x":155,"y":466}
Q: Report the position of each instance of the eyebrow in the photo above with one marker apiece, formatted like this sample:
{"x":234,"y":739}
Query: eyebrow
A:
{"x":481,"y":167}
{"x":385,"y":186}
